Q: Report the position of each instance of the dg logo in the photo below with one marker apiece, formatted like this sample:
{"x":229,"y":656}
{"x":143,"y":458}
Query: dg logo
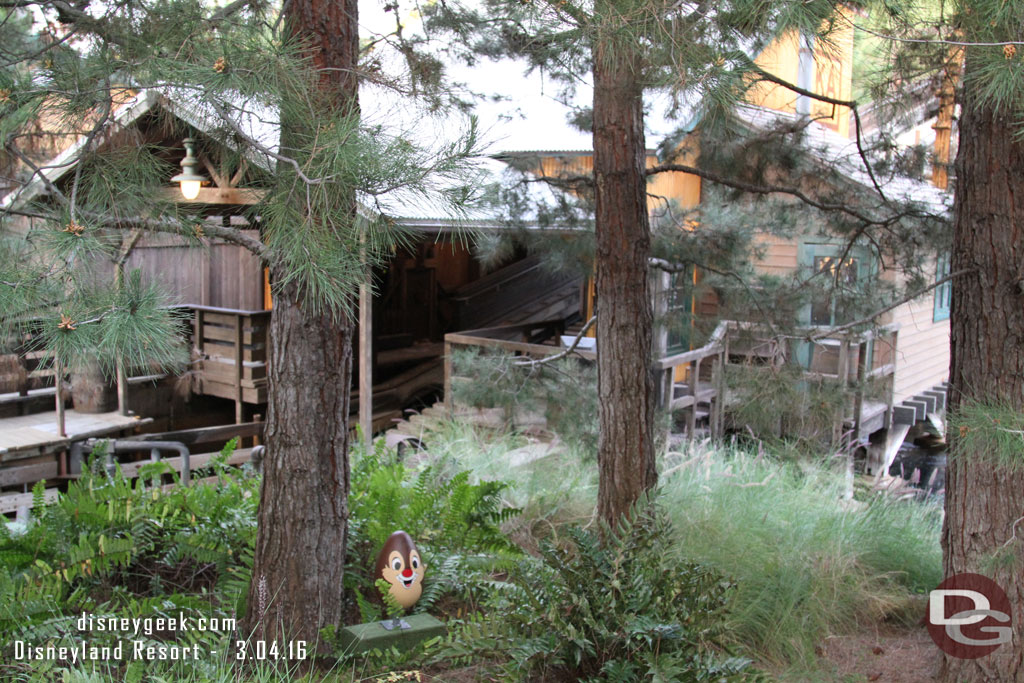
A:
{"x":969,"y":616}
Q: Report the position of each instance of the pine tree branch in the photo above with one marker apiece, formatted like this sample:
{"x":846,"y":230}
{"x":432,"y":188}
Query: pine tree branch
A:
{"x":933,"y":41}
{"x":28,"y":58}
{"x":669,"y":267}
{"x":227,"y":10}
{"x":263,"y":149}
{"x":127,"y":245}
{"x":38,"y":171}
{"x":562,"y":354}
{"x":174,"y":227}
{"x":108,"y":106}
{"x":782,"y":189}
{"x":849,"y":104}
{"x":871,"y":318}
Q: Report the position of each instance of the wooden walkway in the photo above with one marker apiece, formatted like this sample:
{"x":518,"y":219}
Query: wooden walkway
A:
{"x":37,"y":434}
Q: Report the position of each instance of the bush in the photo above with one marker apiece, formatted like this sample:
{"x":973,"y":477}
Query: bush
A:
{"x":603,"y":606}
{"x":117,"y":548}
{"x":450,"y":519}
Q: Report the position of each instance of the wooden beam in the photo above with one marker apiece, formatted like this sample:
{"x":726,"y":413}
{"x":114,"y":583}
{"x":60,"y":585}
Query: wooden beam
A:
{"x":512,"y":346}
{"x":233,"y":196}
{"x":205,"y":434}
{"x":449,"y":404}
{"x":122,"y":388}
{"x":366,"y":360}
{"x":239,"y":405}
{"x":58,"y":378}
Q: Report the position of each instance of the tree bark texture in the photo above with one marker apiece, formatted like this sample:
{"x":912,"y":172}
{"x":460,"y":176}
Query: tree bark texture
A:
{"x":303,"y":515}
{"x":983,"y":502}
{"x":625,"y":383}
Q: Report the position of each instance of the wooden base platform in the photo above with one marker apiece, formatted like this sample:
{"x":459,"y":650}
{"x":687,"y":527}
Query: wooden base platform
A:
{"x":37,"y":434}
{"x":365,"y":637}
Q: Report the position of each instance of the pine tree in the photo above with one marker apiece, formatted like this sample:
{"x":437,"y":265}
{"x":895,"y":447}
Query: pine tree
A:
{"x":977,"y":44}
{"x":240,"y":67}
{"x":696,"y":53}
{"x":985,"y":476}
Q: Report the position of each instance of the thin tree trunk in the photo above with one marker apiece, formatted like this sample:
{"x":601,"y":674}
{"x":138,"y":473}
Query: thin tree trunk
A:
{"x":987,"y":340}
{"x":303,"y":516}
{"x":624,"y":318}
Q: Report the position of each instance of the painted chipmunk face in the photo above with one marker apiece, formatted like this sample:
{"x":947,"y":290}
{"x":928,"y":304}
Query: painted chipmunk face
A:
{"x":400,"y":565}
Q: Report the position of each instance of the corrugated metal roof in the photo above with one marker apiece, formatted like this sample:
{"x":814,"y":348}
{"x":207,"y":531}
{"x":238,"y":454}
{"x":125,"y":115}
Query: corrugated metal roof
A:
{"x":842,"y":154}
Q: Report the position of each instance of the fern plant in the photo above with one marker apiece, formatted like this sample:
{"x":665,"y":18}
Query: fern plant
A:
{"x":117,"y":547}
{"x":450,"y":518}
{"x":600,"y":605}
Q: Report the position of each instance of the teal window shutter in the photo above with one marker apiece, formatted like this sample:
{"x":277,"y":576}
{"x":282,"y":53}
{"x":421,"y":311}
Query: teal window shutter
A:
{"x":944,"y":292}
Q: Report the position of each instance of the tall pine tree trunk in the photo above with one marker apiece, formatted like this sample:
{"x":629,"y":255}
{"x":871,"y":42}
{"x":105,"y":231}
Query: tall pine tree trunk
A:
{"x":625,"y":384}
{"x":983,"y":503}
{"x":303,"y":515}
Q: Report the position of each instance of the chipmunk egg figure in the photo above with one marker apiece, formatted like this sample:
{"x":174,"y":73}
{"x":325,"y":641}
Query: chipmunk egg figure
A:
{"x":400,"y":565}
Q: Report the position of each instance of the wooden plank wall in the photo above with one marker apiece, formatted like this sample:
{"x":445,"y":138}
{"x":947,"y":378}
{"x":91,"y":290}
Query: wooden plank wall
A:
{"x":922,"y":358}
{"x":217,"y":274}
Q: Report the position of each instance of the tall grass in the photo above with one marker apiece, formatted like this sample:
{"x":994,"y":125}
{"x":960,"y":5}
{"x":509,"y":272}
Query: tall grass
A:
{"x":806,"y":564}
{"x":558,"y":486}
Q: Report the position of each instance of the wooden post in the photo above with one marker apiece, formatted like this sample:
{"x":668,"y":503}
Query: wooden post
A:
{"x":239,"y":343}
{"x":890,"y":398}
{"x":844,"y":384}
{"x":844,"y":373}
{"x":198,"y":324}
{"x":667,"y":380}
{"x":717,"y":370}
{"x":659,"y":283}
{"x":858,"y":396}
{"x":722,"y":383}
{"x":691,"y":416}
{"x":366,"y":353}
{"x":122,"y":388}
{"x":58,"y":380}
{"x":122,"y":379}
{"x":449,"y":404}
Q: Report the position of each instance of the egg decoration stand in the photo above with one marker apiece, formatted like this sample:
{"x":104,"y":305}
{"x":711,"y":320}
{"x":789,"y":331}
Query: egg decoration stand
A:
{"x":400,"y":565}
{"x":364,"y":637}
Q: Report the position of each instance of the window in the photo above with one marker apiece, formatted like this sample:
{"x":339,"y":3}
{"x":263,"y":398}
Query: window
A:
{"x":836,"y":283}
{"x":827,"y":310}
{"x":679,"y":314}
{"x":838,"y":276}
{"x":944,"y":292}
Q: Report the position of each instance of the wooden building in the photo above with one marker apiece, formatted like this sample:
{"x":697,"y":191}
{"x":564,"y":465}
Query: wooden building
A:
{"x":430,"y":287}
{"x":438,"y":287}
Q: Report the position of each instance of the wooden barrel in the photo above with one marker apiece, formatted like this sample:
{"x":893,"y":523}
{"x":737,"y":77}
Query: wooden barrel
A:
{"x":91,"y":392}
{"x":13,"y":375}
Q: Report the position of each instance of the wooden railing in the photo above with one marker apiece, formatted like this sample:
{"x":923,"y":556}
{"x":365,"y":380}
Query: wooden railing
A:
{"x":851,"y":358}
{"x":692,"y":390}
{"x":231,"y":347}
{"x":519,"y":340}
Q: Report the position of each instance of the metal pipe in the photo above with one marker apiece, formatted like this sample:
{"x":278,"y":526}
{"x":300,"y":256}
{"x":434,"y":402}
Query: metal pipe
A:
{"x":119,"y":445}
{"x":124,"y":445}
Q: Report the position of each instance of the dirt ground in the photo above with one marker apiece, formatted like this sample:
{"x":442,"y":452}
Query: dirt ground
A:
{"x":889,"y":655}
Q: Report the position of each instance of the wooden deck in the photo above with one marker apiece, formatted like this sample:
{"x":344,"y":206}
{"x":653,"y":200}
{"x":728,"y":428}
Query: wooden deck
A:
{"x":28,"y":435}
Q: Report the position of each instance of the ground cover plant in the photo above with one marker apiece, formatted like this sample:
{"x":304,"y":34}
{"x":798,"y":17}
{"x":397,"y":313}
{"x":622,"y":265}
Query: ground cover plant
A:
{"x":743,"y":563}
{"x":111,"y":547}
{"x":805,"y":562}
